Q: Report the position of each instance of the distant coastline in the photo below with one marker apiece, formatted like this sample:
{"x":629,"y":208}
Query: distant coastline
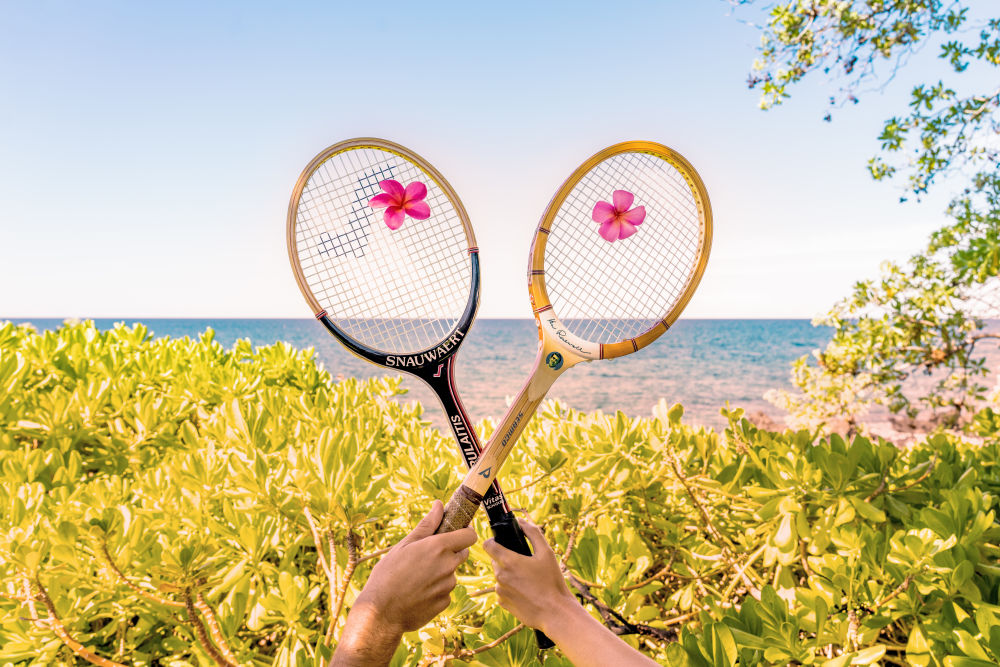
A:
{"x":700,"y":363}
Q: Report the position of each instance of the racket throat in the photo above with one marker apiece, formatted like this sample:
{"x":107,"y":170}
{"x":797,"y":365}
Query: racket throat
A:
{"x":440,"y":377}
{"x":520,"y":412}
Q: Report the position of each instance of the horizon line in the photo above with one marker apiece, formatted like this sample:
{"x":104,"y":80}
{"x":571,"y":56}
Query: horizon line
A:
{"x":6,"y":318}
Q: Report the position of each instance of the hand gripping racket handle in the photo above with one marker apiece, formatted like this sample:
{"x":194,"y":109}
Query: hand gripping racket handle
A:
{"x":508,"y":533}
{"x":458,"y":514}
{"x":460,"y":509}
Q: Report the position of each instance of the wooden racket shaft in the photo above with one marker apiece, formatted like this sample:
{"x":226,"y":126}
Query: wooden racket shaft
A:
{"x":462,"y":507}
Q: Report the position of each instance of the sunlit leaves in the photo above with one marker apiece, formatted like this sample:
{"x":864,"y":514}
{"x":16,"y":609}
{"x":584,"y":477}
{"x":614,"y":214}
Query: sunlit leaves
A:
{"x":244,"y":475}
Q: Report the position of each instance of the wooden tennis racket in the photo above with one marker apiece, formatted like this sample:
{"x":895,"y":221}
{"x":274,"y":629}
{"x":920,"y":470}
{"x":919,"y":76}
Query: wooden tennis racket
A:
{"x":384,"y":253}
{"x":617,"y":255}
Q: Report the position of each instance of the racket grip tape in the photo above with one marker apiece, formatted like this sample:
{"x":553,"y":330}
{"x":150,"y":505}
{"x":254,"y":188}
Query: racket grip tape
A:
{"x":460,"y":509}
{"x":507,"y":533}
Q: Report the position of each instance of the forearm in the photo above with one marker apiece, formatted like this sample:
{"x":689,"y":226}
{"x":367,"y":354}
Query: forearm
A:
{"x":366,"y":639}
{"x":586,"y":642}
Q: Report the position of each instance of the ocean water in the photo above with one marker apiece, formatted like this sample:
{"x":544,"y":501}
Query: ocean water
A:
{"x":699,"y":363}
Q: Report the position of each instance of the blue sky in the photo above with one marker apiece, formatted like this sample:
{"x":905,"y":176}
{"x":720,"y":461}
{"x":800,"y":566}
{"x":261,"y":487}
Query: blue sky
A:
{"x":147,"y":152}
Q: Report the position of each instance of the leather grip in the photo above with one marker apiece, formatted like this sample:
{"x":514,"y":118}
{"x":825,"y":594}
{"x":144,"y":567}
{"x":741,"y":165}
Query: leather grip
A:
{"x":460,"y":509}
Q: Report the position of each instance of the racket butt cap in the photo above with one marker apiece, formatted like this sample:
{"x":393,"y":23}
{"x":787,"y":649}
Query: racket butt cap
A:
{"x":460,"y":509}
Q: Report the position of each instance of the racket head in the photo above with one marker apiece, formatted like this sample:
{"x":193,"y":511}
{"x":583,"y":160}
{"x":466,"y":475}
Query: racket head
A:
{"x":385,"y":291}
{"x":598,"y":298}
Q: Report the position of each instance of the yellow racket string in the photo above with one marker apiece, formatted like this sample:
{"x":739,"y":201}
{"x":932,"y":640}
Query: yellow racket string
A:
{"x":606,"y":292}
{"x":397,"y":291}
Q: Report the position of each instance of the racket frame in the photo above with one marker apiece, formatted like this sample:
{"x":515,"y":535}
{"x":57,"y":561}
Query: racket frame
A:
{"x":434,"y":365}
{"x":556,"y":339}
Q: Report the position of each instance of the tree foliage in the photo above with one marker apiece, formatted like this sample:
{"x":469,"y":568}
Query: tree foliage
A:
{"x":861,"y":43}
{"x":175,"y":502}
{"x":910,"y":340}
{"x":913,"y":340}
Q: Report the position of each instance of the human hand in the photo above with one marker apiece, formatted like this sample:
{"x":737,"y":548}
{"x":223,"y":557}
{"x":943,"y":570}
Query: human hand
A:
{"x":530,"y":587}
{"x":412,"y":583}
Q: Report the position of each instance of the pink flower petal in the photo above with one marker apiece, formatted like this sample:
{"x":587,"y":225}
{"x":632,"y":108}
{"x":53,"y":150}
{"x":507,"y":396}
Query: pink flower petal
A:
{"x":635,"y":216}
{"x":393,"y":188}
{"x":415,"y":191}
{"x":382,"y":200}
{"x":603,"y":211}
{"x":418,"y":210}
{"x":394,"y":217}
{"x":609,"y":230}
{"x":623,"y":199}
{"x":627,"y":229}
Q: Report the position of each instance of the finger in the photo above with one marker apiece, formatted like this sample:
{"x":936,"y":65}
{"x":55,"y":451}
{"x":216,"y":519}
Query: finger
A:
{"x":461,"y":556}
{"x":444,"y":586}
{"x":427,"y":525}
{"x":502,"y":556}
{"x":490,"y":546}
{"x":502,"y":597}
{"x":456,"y":540}
{"x":534,"y":534}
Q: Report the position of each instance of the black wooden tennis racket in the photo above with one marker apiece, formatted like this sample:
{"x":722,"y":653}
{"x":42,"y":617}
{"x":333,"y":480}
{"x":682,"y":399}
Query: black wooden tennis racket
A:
{"x":385,"y":255}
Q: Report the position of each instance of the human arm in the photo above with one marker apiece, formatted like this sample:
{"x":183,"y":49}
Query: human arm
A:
{"x":533,"y":589}
{"x":409,"y":586}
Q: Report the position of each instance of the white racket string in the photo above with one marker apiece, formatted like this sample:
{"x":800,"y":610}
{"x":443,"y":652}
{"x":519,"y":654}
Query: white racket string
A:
{"x":397,"y":291}
{"x":606,"y":292}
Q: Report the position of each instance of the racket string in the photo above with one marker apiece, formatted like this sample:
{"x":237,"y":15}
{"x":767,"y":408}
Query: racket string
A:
{"x":607,"y":292}
{"x":398,"y":290}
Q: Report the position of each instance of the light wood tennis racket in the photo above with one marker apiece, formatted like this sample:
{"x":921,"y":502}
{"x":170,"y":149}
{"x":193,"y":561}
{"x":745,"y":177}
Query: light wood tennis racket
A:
{"x":384,"y":253}
{"x":616,"y":257}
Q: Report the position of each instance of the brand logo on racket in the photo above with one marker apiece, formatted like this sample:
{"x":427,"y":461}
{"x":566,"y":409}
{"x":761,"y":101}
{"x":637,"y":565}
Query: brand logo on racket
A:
{"x":399,"y":361}
{"x":462,"y":435}
{"x":506,"y":436}
{"x":554,"y":361}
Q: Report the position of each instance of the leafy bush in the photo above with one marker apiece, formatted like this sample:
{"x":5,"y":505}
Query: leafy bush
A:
{"x":175,"y":502}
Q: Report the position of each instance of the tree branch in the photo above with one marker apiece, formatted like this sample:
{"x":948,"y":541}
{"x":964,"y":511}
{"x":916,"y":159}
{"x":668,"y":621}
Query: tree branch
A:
{"x":352,"y":563}
{"x":57,"y":627}
{"x":375,"y":554}
{"x":468,"y":653}
{"x":201,"y":635}
{"x":214,"y":628}
{"x":614,"y":621}
{"x":122,"y":579}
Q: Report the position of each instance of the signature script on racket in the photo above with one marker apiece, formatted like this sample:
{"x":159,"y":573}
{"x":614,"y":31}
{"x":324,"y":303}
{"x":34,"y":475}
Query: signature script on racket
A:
{"x":561,"y":334}
{"x":401,"y":361}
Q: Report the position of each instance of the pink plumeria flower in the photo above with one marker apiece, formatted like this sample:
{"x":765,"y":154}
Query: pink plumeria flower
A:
{"x":617,"y":220}
{"x":399,"y":203}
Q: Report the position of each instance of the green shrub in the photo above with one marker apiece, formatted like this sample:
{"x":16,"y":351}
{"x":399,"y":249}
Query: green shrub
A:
{"x":175,"y":502}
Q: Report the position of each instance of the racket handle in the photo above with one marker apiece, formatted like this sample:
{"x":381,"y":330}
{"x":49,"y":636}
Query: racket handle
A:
{"x":458,"y":514}
{"x":460,"y":509}
{"x":507,"y":533}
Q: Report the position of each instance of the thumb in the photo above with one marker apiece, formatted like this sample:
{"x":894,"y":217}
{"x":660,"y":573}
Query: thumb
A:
{"x":427,"y":525}
{"x":534,"y":534}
